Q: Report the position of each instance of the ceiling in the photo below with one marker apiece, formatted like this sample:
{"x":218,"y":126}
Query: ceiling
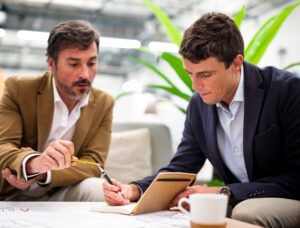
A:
{"x":129,"y":19}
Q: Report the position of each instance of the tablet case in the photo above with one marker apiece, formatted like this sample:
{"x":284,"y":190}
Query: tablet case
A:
{"x":162,"y":190}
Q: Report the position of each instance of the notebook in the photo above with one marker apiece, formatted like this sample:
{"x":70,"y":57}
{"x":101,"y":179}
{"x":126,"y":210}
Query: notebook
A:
{"x":157,"y":197}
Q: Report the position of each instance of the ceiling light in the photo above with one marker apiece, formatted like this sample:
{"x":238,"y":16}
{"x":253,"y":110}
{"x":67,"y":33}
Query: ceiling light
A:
{"x":119,"y":43}
{"x":2,"y":32}
{"x":3,"y":17}
{"x":104,"y":41}
{"x":32,"y":35}
{"x":163,"y":47}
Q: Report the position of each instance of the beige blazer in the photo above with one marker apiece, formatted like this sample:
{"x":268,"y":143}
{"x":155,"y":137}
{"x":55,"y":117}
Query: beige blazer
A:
{"x":26,"y":111}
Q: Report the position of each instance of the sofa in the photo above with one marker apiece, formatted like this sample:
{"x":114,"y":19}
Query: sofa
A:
{"x":137,"y":150}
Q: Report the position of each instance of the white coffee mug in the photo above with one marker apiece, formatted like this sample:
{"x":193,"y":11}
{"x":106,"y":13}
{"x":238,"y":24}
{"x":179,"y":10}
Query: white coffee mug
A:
{"x":206,"y":208}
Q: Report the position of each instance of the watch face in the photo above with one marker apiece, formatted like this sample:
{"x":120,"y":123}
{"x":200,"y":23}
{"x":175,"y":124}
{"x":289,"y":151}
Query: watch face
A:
{"x":225,"y":191}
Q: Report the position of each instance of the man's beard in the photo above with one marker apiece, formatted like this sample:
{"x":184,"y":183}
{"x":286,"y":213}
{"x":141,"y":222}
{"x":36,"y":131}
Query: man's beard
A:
{"x":71,"y":94}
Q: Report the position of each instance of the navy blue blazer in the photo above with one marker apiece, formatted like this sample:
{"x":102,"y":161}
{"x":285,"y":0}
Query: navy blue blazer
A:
{"x":271,"y":137}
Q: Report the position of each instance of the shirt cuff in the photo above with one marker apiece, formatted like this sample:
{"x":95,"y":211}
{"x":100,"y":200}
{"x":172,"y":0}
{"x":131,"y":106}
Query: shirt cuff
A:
{"x":25,"y":175}
{"x":48,"y":179}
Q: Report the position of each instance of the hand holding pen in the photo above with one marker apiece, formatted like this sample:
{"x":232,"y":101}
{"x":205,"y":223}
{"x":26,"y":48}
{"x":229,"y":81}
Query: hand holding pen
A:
{"x":103,"y":173}
{"x":115,"y":193}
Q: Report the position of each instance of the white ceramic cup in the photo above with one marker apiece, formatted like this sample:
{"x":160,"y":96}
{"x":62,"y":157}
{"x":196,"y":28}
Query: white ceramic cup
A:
{"x":206,"y":208}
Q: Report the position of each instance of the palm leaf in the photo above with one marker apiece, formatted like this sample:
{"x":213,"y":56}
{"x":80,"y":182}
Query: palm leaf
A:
{"x":292,"y":65}
{"x":171,"y":90}
{"x":155,"y":70}
{"x":176,"y":63}
{"x":183,"y":110}
{"x":173,"y":33}
{"x":120,"y":95}
{"x":238,"y":18}
{"x":261,"y":40}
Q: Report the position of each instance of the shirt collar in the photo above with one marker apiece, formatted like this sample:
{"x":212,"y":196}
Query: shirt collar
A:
{"x":57,"y":98}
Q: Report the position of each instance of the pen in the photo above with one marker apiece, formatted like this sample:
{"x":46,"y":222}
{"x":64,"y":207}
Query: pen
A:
{"x":98,"y":165}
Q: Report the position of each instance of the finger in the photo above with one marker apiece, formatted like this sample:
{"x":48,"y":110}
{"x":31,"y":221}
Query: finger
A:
{"x":6,"y":172}
{"x":74,"y":158}
{"x":118,"y":184}
{"x":113,"y":198}
{"x":26,"y":148}
{"x":183,"y":194}
{"x":68,"y":144}
{"x":108,"y":187}
{"x":48,"y":161}
{"x":12,"y":180}
{"x":66,"y":153}
{"x":57,"y":157}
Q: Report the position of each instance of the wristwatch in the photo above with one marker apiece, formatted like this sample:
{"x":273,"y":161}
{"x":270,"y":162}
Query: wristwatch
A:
{"x":225,"y":191}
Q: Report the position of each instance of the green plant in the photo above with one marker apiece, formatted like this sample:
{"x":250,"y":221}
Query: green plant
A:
{"x":253,"y":52}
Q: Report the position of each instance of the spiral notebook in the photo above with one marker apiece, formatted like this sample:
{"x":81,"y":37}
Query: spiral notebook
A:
{"x":157,"y":197}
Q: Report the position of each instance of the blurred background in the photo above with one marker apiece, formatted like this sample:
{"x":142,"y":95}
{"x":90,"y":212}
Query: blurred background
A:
{"x":125,"y":25}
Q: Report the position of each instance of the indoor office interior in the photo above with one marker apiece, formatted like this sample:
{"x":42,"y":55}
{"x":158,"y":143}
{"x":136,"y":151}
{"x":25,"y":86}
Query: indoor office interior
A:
{"x":132,"y":39}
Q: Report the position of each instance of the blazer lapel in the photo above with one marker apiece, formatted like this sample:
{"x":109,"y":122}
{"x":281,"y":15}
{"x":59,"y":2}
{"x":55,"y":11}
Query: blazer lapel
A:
{"x":45,"y":109}
{"x":84,"y":123}
{"x":253,"y":102}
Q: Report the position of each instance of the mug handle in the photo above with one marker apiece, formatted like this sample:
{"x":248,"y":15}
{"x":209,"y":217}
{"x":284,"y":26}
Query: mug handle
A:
{"x":183,"y":200}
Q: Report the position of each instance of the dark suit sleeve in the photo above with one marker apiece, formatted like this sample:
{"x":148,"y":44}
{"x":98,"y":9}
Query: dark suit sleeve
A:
{"x":188,"y":158}
{"x":276,"y":153}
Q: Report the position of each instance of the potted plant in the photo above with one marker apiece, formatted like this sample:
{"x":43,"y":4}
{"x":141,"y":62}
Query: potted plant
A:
{"x":253,"y":52}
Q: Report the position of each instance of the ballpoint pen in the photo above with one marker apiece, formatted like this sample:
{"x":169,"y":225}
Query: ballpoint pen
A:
{"x":98,"y":165}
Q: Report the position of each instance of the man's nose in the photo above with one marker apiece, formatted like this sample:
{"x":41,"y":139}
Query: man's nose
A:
{"x":197,"y":83}
{"x":84,"y":73}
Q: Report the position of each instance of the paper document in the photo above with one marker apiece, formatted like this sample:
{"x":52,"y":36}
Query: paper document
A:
{"x":125,"y":209}
{"x":157,"y":197}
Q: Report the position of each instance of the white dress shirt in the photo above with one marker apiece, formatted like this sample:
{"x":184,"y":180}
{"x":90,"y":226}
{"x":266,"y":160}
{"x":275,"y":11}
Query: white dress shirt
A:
{"x":230,"y":133}
{"x":63,"y":126}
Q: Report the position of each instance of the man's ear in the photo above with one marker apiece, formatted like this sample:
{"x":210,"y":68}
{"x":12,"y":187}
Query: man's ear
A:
{"x":237,"y":63}
{"x":51,"y":64}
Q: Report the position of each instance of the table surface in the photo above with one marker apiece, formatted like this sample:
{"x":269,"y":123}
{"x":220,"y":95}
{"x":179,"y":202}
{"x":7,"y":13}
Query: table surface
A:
{"x":78,"y":214}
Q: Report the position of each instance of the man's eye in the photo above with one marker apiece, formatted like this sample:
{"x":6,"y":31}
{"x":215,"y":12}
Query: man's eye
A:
{"x":92,"y":64}
{"x":205,"y":75}
{"x":73,"y":64}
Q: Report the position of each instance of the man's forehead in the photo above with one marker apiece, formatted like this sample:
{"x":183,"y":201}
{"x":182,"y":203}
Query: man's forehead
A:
{"x":208,"y":64}
{"x":73,"y":58}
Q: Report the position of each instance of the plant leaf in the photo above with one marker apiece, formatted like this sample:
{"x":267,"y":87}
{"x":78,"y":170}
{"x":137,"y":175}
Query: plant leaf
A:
{"x":173,"y":33}
{"x":214,"y":183}
{"x":176,"y":63}
{"x":238,"y":18}
{"x":292,"y":65}
{"x":266,"y":34}
{"x":183,"y":110}
{"x":155,"y":70}
{"x":120,"y":95}
{"x":171,"y":90}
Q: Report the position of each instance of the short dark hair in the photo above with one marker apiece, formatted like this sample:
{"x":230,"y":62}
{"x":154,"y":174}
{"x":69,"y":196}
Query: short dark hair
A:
{"x":212,"y":35}
{"x":68,"y":34}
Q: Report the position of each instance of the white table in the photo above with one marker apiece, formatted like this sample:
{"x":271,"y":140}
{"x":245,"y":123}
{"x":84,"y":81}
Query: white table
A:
{"x":77,"y":214}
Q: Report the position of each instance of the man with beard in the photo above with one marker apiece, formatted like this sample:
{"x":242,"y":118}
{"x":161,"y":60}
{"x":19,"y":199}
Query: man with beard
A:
{"x":46,"y":122}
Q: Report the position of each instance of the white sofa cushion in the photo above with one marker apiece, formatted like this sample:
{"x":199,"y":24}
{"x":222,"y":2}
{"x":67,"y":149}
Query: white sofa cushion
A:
{"x":129,"y":157}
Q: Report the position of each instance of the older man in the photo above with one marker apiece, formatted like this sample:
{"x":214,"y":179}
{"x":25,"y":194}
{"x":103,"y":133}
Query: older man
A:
{"x":46,"y":122}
